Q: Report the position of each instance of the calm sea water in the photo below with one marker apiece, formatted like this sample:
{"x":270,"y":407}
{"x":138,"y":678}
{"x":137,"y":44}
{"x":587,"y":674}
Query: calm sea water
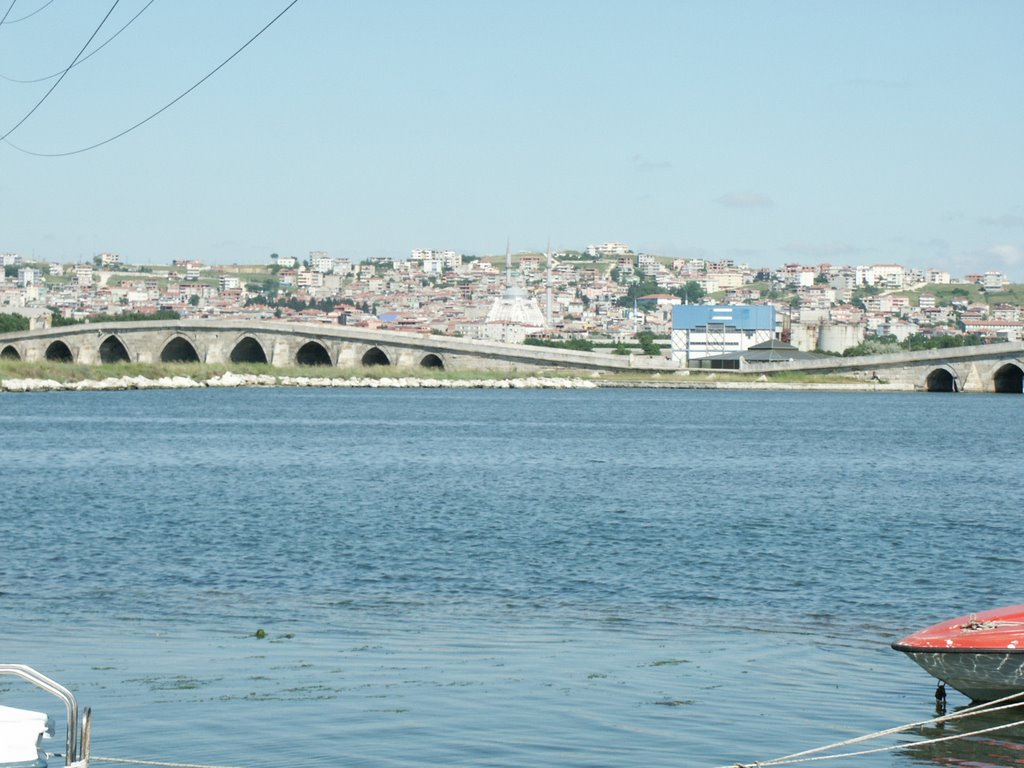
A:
{"x":500,"y":578}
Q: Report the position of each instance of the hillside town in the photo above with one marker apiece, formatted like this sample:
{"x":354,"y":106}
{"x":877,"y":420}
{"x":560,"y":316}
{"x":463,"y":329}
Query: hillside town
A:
{"x":604,"y":293}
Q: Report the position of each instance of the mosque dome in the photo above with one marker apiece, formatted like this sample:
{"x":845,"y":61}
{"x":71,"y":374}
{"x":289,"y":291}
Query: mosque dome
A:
{"x":516,"y":307}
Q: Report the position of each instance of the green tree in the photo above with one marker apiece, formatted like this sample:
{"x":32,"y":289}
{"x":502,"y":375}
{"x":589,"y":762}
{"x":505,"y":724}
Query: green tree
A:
{"x":647,"y":343}
{"x":691,"y":293}
{"x":641,"y":286}
{"x":11,"y":323}
{"x":58,"y":320}
{"x":577,"y":344}
{"x":877,"y":345}
{"x":859,"y":294}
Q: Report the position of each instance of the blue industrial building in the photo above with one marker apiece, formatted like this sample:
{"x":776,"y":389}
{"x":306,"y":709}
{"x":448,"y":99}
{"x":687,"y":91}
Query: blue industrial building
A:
{"x":703,"y":330}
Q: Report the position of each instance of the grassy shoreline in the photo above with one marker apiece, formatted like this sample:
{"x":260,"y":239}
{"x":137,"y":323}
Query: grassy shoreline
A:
{"x":71,"y":373}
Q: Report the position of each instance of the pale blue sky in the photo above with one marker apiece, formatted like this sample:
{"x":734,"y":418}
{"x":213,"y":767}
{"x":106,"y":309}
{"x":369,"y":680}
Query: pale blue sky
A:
{"x":850,"y":132}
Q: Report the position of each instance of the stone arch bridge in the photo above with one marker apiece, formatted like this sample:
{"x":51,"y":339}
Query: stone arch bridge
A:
{"x":287,"y":344}
{"x":981,"y":368}
{"x":986,"y":368}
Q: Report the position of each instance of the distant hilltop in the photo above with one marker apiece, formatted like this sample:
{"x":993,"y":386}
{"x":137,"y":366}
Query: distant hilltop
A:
{"x":604,"y":294}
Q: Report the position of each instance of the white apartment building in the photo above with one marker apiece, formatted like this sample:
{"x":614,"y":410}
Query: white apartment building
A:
{"x":609,"y":249}
{"x":83,"y":274}
{"x":797,"y":275}
{"x":913,"y":277}
{"x":448,"y":259}
{"x":320,"y":261}
{"x":229,"y":282}
{"x":816,"y":297}
{"x":938,"y":277}
{"x":889,"y":275}
{"x":28,"y":276}
{"x":647,"y":263}
{"x":109,"y":259}
{"x":432,"y":265}
{"x":728,"y":280}
{"x":864,"y":275}
{"x":305,"y":278}
{"x":993,"y":281}
{"x":881,"y":275}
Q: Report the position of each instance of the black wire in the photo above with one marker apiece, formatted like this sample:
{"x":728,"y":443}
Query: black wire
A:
{"x":9,"y":9}
{"x":29,"y":16}
{"x":163,"y":108}
{"x":52,"y":87}
{"x":84,"y":58}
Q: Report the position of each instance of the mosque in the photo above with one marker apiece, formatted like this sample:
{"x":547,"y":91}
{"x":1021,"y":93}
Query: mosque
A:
{"x":515,"y":313}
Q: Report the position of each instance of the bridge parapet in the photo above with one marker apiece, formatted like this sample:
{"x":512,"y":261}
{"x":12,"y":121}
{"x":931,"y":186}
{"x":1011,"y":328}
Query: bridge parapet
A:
{"x":976,"y":368}
{"x":286,"y":344}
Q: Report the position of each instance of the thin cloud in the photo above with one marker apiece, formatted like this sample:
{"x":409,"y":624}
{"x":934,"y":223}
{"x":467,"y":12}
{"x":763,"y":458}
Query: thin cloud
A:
{"x":1004,"y":257}
{"x":1009,"y":255}
{"x":820,"y":250}
{"x":879,"y":83}
{"x":1006,"y":220}
{"x":746,"y":200}
{"x":641,"y":163}
{"x":674,"y":251}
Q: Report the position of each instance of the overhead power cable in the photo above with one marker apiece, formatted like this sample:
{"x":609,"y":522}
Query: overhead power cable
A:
{"x":27,"y":16}
{"x":87,"y":56}
{"x":8,"y":13}
{"x":52,"y":87}
{"x":162,"y":109}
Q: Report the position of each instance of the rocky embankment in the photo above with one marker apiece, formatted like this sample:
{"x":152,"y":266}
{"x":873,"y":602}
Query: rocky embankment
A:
{"x":265,"y":380}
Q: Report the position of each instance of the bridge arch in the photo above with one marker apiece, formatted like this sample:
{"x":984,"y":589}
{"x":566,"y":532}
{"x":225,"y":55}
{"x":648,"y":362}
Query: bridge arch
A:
{"x":1009,"y":378}
{"x":59,"y":352}
{"x":432,"y":361}
{"x":248,"y":350}
{"x":313,"y":353}
{"x":941,"y":380}
{"x":375,"y":356}
{"x":179,"y":350}
{"x":113,"y":350}
{"x":10,"y":352}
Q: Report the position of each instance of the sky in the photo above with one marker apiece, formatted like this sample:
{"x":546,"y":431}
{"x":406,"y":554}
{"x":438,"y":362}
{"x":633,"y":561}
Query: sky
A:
{"x":849,"y":132}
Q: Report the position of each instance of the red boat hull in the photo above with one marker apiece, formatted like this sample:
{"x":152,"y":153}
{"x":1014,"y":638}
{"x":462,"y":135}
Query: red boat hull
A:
{"x":981,"y":654}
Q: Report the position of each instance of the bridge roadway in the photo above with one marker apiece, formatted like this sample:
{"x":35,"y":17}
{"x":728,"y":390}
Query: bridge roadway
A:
{"x":980,"y":368}
{"x":285,"y":344}
{"x":987,"y":368}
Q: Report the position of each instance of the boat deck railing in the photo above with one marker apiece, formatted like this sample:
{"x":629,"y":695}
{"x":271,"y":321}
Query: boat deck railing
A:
{"x":77,"y":748}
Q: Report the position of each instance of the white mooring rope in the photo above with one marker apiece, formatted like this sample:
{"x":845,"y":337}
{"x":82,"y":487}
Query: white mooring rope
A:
{"x":127,"y":761}
{"x":976,"y":709}
{"x":807,"y":756}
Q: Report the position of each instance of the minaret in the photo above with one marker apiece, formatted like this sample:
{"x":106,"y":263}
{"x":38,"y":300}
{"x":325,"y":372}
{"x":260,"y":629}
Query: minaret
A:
{"x":548,"y":318}
{"x":508,"y":267}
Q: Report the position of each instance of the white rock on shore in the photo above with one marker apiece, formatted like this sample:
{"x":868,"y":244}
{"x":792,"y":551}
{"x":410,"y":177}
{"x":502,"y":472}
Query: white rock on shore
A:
{"x":229,"y":379}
